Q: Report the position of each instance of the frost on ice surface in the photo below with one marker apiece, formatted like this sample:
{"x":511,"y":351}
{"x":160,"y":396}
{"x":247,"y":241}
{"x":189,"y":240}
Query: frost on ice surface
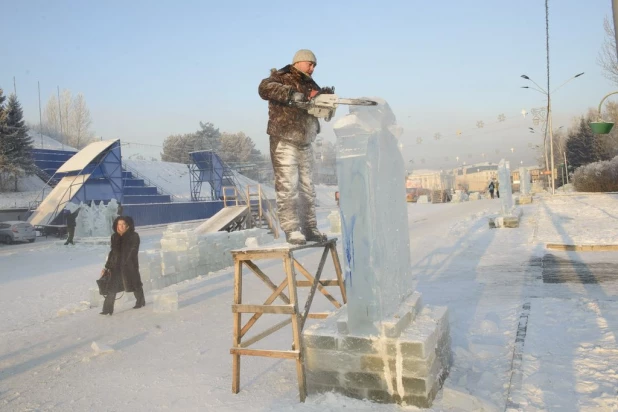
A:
{"x":371,"y":176}
{"x":95,"y":220}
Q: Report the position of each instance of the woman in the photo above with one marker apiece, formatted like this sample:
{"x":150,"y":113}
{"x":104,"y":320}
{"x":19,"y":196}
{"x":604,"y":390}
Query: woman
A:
{"x":123,"y":265}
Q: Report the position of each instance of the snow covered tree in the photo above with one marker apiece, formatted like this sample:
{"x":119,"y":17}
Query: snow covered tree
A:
{"x":236,"y":147}
{"x":16,"y":144}
{"x":176,"y":148}
{"x":584,"y":147}
{"x":68,"y":120}
{"x":208,"y":138}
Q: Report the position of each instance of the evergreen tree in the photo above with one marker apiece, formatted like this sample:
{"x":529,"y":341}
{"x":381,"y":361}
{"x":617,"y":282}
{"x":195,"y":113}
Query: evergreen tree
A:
{"x":584,"y":147}
{"x":207,"y":138}
{"x":20,"y":154}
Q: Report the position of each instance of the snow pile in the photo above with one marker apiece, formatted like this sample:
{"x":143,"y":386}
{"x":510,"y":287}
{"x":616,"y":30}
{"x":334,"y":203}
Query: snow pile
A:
{"x":41,"y":141}
{"x":459,"y":196}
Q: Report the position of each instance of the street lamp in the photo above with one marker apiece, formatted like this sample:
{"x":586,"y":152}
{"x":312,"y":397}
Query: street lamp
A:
{"x":549,"y":117}
{"x":601,"y":127}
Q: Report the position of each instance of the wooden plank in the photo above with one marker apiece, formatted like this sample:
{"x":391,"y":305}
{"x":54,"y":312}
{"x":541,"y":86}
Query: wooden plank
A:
{"x":337,"y":264}
{"x":323,"y":315}
{"x":265,"y":333}
{"x":582,"y":248}
{"x":316,"y":281}
{"x":279,"y":309}
{"x":296,"y":326}
{"x":268,"y":301}
{"x":327,"y":282}
{"x":240,"y":255}
{"x":258,"y":272}
{"x":236,"y":326}
{"x":320,"y":288}
{"x":286,"y":354}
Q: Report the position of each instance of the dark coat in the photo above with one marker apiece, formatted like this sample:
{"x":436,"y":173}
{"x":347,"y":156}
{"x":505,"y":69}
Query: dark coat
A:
{"x":285,"y":122}
{"x":122,"y":260}
{"x":72,"y":218}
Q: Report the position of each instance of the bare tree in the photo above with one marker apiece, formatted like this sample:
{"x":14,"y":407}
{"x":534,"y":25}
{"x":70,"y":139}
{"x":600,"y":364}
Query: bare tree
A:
{"x":80,"y":122}
{"x":68,"y":120}
{"x":607,"y":58}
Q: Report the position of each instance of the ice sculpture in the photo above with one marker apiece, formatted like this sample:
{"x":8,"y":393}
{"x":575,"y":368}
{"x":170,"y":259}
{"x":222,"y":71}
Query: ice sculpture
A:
{"x":371,"y":174}
{"x":524,"y":181}
{"x":506,"y":191}
{"x":96,"y":220}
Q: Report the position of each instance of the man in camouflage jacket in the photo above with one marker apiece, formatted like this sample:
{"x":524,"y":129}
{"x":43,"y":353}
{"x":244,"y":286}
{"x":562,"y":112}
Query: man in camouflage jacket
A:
{"x":292,"y":130}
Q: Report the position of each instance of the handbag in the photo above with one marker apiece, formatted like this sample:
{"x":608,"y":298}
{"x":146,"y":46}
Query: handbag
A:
{"x":103,"y":283}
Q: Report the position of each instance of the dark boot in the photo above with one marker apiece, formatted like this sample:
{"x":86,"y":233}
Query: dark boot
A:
{"x":314,"y":235}
{"x":140,"y":301}
{"x":108,"y":304}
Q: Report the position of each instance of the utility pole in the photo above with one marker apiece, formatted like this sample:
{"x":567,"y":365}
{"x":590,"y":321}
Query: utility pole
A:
{"x":40,"y":115}
{"x":615,"y":12}
{"x":549,"y":122}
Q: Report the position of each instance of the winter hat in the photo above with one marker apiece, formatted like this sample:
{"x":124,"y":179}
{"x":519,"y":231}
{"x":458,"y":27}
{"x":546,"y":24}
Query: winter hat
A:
{"x":304,"y":55}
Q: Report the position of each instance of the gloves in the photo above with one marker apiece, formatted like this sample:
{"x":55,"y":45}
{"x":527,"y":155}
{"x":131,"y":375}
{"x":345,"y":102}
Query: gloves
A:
{"x":297,"y":97}
{"x":327,"y":90}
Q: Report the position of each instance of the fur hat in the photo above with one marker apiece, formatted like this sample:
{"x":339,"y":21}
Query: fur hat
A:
{"x":304,"y":55}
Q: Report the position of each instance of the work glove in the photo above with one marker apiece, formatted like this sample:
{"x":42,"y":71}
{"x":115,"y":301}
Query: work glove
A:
{"x":327,"y":90}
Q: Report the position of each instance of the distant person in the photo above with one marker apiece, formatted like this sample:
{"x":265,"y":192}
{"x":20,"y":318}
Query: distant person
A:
{"x":123,"y":265}
{"x":71,"y":224}
{"x":498,"y":189}
{"x":292,"y":130}
{"x":491,"y":189}
{"x":337,"y":197}
{"x":120,"y":209}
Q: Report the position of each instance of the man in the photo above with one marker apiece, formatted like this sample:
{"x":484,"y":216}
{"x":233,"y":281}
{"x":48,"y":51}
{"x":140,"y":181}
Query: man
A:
{"x":71,"y":223}
{"x":292,"y":130}
{"x":491,"y":189}
{"x":498,"y":189}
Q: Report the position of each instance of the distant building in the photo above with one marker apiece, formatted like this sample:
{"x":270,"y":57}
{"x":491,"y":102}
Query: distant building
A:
{"x":475,"y":178}
{"x":430,"y":179}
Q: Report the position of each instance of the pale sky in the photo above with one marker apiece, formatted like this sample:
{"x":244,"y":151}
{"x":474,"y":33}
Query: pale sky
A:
{"x":150,"y":69}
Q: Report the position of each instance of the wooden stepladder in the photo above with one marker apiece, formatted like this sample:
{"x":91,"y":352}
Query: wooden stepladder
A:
{"x":297,"y":318}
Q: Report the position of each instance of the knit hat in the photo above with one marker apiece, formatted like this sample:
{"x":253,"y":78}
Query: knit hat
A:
{"x":304,"y":55}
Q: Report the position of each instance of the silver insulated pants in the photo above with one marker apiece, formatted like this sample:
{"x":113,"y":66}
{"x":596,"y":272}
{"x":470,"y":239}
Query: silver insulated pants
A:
{"x":293,"y":168}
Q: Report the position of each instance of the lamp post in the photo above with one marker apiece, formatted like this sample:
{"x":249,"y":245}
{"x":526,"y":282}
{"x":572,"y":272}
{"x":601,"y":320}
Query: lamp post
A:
{"x":549,"y":118}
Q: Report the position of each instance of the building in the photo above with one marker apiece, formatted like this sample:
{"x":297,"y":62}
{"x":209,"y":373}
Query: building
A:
{"x":475,"y":178}
{"x":430,"y":179}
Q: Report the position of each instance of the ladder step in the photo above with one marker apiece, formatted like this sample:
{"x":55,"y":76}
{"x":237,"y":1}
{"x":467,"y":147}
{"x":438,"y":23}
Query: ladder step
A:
{"x":280,"y":309}
{"x":286,"y":354}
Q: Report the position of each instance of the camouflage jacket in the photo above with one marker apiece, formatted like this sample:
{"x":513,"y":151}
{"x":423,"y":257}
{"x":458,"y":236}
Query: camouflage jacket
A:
{"x":286,"y":122}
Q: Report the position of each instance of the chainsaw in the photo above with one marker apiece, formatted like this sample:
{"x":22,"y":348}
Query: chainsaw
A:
{"x":325,"y":105}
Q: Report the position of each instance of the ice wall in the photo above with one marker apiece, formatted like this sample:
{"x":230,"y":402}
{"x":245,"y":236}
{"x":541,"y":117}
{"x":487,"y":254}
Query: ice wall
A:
{"x":524,"y":181}
{"x":506,"y":190}
{"x":95,"y":220}
{"x":374,"y":219}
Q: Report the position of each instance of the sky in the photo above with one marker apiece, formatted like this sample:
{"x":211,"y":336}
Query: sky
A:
{"x":152,"y":69}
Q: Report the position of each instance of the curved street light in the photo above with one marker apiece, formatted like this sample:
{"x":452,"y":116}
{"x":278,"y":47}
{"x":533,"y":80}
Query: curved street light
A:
{"x":601,"y":127}
{"x":549,"y":118}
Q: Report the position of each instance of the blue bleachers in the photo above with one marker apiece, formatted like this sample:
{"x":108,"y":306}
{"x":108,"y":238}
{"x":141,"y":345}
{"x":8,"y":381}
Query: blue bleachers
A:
{"x":140,"y":190}
{"x":135,"y":191}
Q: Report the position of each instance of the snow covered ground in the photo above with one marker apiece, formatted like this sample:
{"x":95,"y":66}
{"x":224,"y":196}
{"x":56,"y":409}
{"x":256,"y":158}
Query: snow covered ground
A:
{"x":529,"y":333}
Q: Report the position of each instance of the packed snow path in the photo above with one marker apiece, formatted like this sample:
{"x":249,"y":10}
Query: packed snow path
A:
{"x":520,"y":340}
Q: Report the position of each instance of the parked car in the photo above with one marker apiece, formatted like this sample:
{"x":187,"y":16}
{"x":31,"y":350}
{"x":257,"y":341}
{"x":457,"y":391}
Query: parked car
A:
{"x":16,"y":231}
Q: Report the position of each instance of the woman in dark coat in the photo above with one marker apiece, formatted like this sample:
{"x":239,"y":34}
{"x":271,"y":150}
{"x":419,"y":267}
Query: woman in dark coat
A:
{"x":123,"y":265}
